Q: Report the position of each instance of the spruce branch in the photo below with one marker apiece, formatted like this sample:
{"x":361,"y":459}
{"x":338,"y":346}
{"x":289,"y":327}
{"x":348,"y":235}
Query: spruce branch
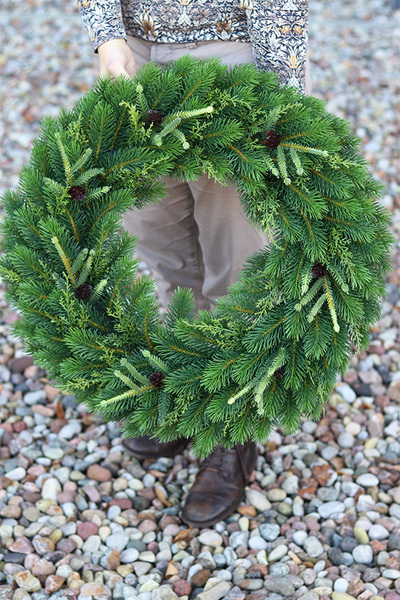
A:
{"x":76,"y":265}
{"x":156,"y":361}
{"x":174,"y":120}
{"x":181,"y":137}
{"x":316,"y":308}
{"x":126,"y":380}
{"x":282,"y":166}
{"x":242,"y":392}
{"x":305,"y":282}
{"x":310,"y":294}
{"x":142,"y":100}
{"x":296,"y":160}
{"x":135,"y":373}
{"x":64,"y":157}
{"x":98,"y":290}
{"x":305,"y":149}
{"x":86,"y":268}
{"x":64,"y":259}
{"x":331,"y":305}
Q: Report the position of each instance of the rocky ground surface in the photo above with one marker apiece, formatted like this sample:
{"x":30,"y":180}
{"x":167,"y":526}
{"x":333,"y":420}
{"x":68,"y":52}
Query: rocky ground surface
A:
{"x":321,"y":519}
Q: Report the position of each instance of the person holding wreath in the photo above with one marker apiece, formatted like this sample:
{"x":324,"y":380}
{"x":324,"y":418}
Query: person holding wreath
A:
{"x":198,"y":237}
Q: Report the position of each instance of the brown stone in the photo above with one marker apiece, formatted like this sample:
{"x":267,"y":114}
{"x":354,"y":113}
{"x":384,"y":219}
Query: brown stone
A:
{"x":171,"y":570}
{"x":87,"y":529}
{"x":247,"y":510}
{"x":98,"y":473}
{"x":53,"y":583}
{"x":308,"y":493}
{"x":43,"y":567}
{"x":66,"y":545}
{"x":22,"y":545}
{"x":51,"y":392}
{"x":43,"y":545}
{"x":200,"y":578}
{"x":182,"y":587}
{"x":92,"y":493}
{"x":322,"y":473}
{"x":123,"y":503}
{"x":11,"y":512}
{"x":113,"y":560}
{"x":94,"y":589}
{"x":18,"y":365}
{"x":45,"y":411}
{"x":355,"y":588}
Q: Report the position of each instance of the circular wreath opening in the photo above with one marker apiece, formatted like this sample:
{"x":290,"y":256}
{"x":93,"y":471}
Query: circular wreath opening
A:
{"x":271,"y":352}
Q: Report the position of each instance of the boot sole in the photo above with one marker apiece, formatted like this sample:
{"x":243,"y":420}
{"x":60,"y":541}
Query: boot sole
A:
{"x":210,"y":522}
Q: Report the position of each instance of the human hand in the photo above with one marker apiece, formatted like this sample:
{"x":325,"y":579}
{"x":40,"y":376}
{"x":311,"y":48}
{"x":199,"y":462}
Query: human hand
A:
{"x":116,"y":58}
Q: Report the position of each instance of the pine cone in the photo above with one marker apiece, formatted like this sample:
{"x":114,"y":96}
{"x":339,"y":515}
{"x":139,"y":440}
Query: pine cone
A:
{"x":318,"y":270}
{"x":280,"y":373}
{"x":156,"y":378}
{"x":155,"y":117}
{"x":84,"y":291}
{"x":272,"y":138}
{"x":77,"y":192}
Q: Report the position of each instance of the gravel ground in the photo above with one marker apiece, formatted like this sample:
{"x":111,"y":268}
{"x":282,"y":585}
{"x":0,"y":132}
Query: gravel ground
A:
{"x":321,"y":519}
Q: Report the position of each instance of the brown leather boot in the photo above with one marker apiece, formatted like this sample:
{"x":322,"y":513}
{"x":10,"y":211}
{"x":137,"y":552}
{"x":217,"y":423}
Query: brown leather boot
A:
{"x":144,"y":447}
{"x":219,"y":486}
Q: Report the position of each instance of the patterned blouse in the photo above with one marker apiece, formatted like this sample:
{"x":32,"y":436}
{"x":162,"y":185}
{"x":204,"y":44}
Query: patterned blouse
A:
{"x":277,"y":29}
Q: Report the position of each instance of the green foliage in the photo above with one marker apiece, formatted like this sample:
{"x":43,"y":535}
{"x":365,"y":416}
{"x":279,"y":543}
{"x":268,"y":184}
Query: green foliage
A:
{"x":271,"y":352}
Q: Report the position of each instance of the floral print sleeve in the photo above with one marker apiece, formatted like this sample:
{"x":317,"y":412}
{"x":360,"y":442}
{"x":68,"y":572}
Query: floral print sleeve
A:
{"x":278,"y":32}
{"x":277,"y":29}
{"x":103,"y":20}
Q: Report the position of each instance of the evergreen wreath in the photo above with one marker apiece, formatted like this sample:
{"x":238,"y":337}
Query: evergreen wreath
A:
{"x":271,"y":352}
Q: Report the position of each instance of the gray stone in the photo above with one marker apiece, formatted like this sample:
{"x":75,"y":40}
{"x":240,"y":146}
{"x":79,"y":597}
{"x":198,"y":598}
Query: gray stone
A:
{"x":313,"y":547}
{"x":279,"y":585}
{"x":216,"y":592}
{"x":117,"y":541}
{"x":270,"y":531}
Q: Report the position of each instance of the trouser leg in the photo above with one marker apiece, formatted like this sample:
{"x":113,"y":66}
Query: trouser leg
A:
{"x":198,"y":237}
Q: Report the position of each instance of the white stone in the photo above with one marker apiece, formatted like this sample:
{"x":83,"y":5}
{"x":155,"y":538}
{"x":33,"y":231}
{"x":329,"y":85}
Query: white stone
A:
{"x":51,"y":488}
{"x":278,"y":552}
{"x":130,"y":555}
{"x":258,"y":500}
{"x":211,"y":538}
{"x":367,"y":480}
{"x":393,"y":429}
{"x":378,"y":532}
{"x":92,"y":544}
{"x":391,"y":574}
{"x":341,"y":585}
{"x":117,"y":540}
{"x":17,"y":474}
{"x":331,"y":509}
{"x":365,"y":502}
{"x":346,"y":440}
{"x":257,"y":543}
{"x":164,"y":592}
{"x":36,"y":397}
{"x":346,"y":392}
{"x":299,"y":537}
{"x":363,"y":554}
{"x":72,"y":429}
{"x":291,"y":484}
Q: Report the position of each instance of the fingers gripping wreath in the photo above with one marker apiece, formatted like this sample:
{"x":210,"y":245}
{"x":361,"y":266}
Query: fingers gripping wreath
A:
{"x":271,"y":352}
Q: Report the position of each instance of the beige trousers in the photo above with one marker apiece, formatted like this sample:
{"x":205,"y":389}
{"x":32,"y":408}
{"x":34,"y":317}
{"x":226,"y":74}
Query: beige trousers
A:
{"x":198,"y":237}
